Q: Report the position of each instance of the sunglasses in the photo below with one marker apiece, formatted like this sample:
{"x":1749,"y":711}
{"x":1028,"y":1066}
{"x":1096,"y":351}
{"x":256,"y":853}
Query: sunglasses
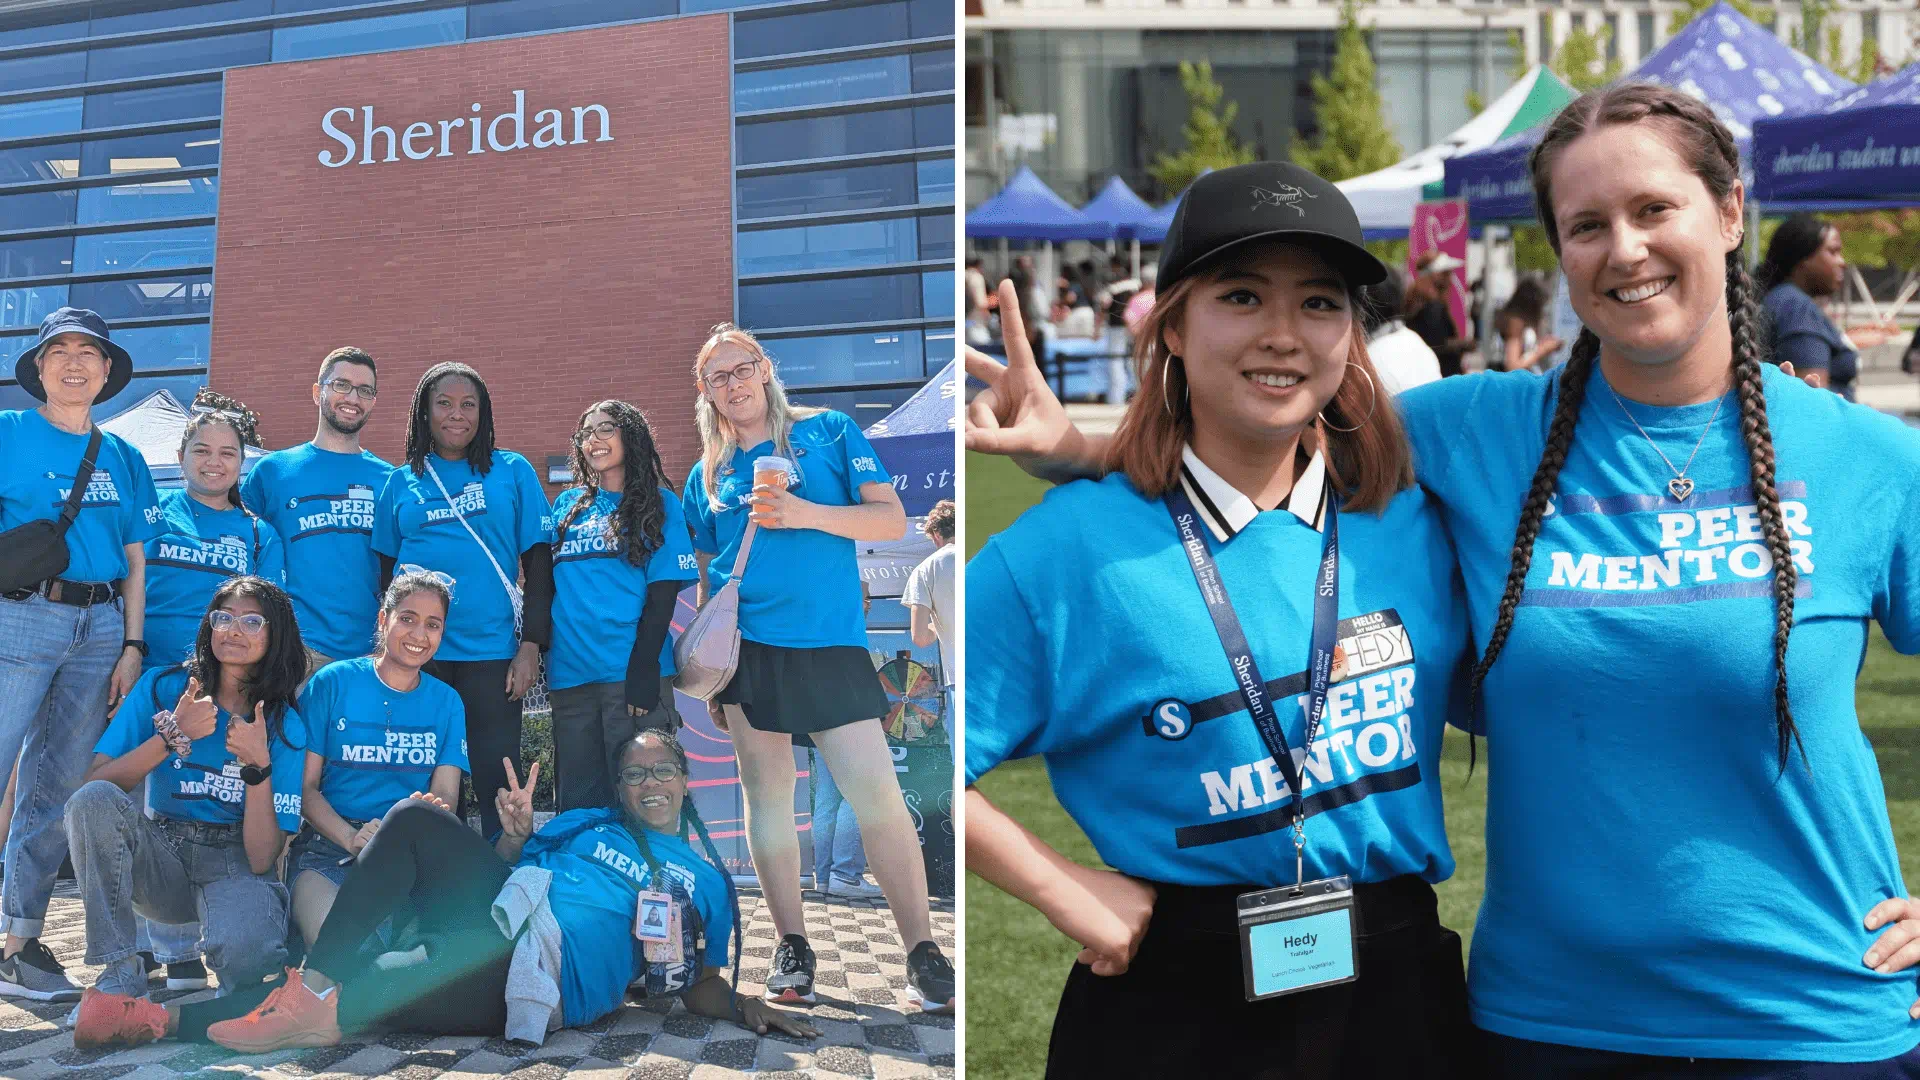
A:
{"x":415,"y":568}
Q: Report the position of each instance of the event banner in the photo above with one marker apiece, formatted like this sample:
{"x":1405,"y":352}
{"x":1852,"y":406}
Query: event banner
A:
{"x":1441,"y":225}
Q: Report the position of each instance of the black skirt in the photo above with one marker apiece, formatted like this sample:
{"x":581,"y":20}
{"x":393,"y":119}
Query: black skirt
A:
{"x":800,"y":691}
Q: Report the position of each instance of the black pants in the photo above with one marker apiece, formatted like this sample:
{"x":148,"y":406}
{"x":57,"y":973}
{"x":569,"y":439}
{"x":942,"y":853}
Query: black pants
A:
{"x":590,"y":727}
{"x":493,"y":728}
{"x":1181,"y":1009}
{"x":421,"y":862}
{"x":1508,"y":1058}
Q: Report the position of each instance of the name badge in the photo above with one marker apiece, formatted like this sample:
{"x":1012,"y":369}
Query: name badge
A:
{"x":1296,"y":938}
{"x":650,"y":919}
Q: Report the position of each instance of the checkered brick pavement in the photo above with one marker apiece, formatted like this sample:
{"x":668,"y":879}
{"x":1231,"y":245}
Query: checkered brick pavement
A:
{"x":868,"y":1029}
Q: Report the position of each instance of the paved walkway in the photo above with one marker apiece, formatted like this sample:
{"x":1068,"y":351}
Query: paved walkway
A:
{"x":868,"y":1028}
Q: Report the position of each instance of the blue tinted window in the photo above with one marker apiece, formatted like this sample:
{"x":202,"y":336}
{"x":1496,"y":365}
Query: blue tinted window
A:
{"x":32,"y":72}
{"x":935,"y":180}
{"x":166,"y":57}
{"x":494,"y":18}
{"x":819,"y":84}
{"x":189,"y":294}
{"x":105,"y":253}
{"x":35,"y":210}
{"x":825,"y":247}
{"x":26,"y":307}
{"x":151,"y":106}
{"x":400,"y":31}
{"x":822,"y":191}
{"x":886,"y":356}
{"x":29,"y":27}
{"x":939,"y":350}
{"x":121,"y":18}
{"x":29,"y":163}
{"x":936,"y":236}
{"x":933,"y":125}
{"x":137,"y":153}
{"x":826,"y":136}
{"x":937,"y":293}
{"x":821,"y":30}
{"x":182,"y":387}
{"x":819,"y":303}
{"x":930,"y":18}
{"x":932,"y":71}
{"x":47,"y":257}
{"x":866,"y":406}
{"x":49,"y":116}
{"x":144,"y":202}
{"x":157,"y":347}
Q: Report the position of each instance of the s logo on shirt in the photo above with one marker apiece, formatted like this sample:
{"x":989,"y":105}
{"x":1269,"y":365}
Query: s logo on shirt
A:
{"x":1170,"y":719}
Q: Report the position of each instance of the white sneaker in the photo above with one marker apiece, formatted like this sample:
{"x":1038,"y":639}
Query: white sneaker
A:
{"x":854,"y":890}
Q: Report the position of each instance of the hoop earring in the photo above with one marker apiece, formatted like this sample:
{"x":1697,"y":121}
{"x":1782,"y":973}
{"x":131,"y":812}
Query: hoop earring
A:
{"x":1373,"y":402}
{"x":1166,"y":395}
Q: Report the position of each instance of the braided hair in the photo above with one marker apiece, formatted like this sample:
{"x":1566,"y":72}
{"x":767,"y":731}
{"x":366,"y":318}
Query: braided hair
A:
{"x":689,"y":822}
{"x":1708,"y":148}
{"x":638,"y":527}
{"x":211,"y":407}
{"x":420,"y":420}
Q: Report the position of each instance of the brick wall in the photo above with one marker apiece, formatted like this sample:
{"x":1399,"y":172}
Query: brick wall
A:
{"x":564,"y":274}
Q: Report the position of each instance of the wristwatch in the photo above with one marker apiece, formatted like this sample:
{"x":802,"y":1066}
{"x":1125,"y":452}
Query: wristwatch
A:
{"x":135,"y":643}
{"x":253,"y":774}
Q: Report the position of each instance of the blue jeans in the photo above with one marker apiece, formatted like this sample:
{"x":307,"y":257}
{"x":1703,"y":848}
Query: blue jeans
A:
{"x":837,"y":851}
{"x":55,"y":661}
{"x":170,"y":943}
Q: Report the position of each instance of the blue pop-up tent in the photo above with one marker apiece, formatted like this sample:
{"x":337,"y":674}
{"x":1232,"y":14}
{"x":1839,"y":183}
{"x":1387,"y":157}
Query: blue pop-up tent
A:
{"x":915,"y":443}
{"x":1027,"y":209}
{"x":1125,"y":214}
{"x":1738,"y":67}
{"x":1865,"y":145}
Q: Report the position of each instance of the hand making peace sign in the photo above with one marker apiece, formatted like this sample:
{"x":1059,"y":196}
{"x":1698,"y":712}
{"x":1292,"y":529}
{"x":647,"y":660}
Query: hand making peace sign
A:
{"x":514,"y":803}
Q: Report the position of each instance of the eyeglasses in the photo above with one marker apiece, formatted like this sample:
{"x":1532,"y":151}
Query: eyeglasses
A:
{"x":665,"y":772}
{"x":415,"y":568}
{"x":720,"y":380}
{"x":343,"y":388}
{"x":252,"y":625}
{"x":605,"y":429}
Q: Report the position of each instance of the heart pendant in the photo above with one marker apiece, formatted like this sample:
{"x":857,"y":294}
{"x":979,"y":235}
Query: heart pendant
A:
{"x":1681,"y":487}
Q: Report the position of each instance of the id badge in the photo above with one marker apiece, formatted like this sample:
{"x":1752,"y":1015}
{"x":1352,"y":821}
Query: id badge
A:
{"x":1296,"y":938}
{"x":652,"y":917}
{"x":669,"y":951}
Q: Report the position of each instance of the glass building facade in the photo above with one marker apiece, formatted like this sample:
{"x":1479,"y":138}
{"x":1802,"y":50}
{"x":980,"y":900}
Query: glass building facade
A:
{"x":844,"y":123}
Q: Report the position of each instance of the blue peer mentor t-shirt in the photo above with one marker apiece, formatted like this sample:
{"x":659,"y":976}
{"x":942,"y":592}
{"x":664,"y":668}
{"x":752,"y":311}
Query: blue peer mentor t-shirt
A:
{"x":598,"y":875}
{"x":380,"y":745}
{"x":414,"y":524}
{"x":1099,"y":654}
{"x":200,"y":548}
{"x":321,"y":503}
{"x":599,"y":596}
{"x":1655,"y":883}
{"x":120,"y":507}
{"x":205,"y":785}
{"x":802,"y":587}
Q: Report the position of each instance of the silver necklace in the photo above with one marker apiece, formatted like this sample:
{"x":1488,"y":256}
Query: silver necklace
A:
{"x":1679,"y":487}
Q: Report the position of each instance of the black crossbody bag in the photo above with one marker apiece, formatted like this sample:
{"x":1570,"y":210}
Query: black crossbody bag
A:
{"x":37,"y":551}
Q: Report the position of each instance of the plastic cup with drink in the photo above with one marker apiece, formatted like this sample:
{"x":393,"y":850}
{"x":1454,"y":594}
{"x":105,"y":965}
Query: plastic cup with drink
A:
{"x":770,"y":471}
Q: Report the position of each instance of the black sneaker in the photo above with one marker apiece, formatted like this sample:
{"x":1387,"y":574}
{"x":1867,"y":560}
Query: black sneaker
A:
{"x":187,"y":975}
{"x":149,"y":964}
{"x":930,"y":979}
{"x":33,"y":973}
{"x":791,"y":980}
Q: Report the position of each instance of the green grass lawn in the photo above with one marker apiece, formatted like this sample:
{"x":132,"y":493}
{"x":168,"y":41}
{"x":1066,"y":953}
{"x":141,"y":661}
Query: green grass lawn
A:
{"x":1017,"y":963}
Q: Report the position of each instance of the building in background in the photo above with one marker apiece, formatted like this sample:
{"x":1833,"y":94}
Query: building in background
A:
{"x":1081,"y":90}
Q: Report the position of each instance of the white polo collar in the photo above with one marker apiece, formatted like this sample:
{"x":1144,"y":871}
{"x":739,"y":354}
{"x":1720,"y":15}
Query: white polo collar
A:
{"x":1226,"y":510}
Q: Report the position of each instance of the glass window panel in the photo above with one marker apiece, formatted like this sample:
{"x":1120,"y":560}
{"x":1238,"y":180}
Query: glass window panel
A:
{"x":188,"y":294}
{"x":404,"y":30}
{"x":939,"y":350}
{"x":936,"y":236}
{"x":930,"y":18}
{"x":937,"y":290}
{"x":825,"y":136}
{"x":166,"y":57}
{"x":26,"y":28}
{"x":138,"y":153}
{"x":822,"y":191}
{"x":49,"y":116}
{"x":494,"y":18}
{"x":825,"y":247}
{"x":822,"y":30}
{"x":25,"y":164}
{"x":843,"y":300}
{"x":819,"y":84}
{"x":867,"y":406}
{"x":152,"y":106}
{"x":1644,"y":22}
{"x":933,"y":125}
{"x":26,"y":307}
{"x":885,"y":356}
{"x":935,"y":179}
{"x":104,"y":253}
{"x":158,"y":347}
{"x":30,"y":72}
{"x":145,"y":202}
{"x":121,"y":18}
{"x":44,"y":257}
{"x":37,"y":209}
{"x":932,"y":71}
{"x":182,"y":387}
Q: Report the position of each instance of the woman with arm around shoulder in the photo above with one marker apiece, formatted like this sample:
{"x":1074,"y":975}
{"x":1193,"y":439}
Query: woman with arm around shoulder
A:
{"x":805,"y":675}
{"x":1805,"y":266}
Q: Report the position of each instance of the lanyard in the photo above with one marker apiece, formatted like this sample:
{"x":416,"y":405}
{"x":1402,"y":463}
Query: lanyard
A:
{"x":1246,"y":673}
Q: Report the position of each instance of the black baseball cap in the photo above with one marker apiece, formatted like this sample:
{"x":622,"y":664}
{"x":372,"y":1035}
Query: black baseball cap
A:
{"x":1267,"y":200}
{"x":70,"y":320}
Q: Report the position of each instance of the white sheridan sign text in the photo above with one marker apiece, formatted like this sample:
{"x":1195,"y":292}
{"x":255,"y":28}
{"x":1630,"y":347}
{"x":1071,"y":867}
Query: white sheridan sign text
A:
{"x":474,"y":134}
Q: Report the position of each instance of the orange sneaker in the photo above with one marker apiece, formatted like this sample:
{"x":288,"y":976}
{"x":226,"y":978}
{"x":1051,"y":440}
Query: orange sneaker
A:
{"x":291,"y":1016}
{"x":117,"y":1020}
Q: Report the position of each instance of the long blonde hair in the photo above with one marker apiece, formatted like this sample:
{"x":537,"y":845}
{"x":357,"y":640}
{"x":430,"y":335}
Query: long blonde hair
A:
{"x":718,"y":440}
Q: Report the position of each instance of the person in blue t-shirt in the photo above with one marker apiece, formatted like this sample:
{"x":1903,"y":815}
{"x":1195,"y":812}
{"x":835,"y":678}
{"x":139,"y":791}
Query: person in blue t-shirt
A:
{"x":1690,"y":866}
{"x":804,"y":675}
{"x":70,"y":644}
{"x":621,"y":554}
{"x":319,"y":497}
{"x":1805,"y":265}
{"x":216,"y":744}
{"x":1260,"y":424}
{"x":383,"y":729}
{"x":478,"y":515}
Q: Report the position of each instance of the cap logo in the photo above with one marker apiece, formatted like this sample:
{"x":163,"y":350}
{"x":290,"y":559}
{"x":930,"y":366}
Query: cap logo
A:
{"x":1288,"y":195}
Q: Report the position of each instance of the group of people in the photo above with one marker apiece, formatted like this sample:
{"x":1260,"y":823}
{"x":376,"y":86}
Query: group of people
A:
{"x":246,"y":708}
{"x":1239,"y":627}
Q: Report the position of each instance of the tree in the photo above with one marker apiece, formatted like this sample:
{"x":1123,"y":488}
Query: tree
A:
{"x":1694,"y":9}
{"x":1354,"y":137}
{"x":1581,"y":59}
{"x":1211,"y":143}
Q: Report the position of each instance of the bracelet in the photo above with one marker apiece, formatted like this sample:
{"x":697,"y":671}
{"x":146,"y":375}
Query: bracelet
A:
{"x":169,"y":730}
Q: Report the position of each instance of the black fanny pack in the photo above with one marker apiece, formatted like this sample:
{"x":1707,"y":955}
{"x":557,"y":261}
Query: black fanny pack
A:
{"x":36,"y":551}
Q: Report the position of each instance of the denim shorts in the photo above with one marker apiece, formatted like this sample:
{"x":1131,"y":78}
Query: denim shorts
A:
{"x":314,"y":852}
